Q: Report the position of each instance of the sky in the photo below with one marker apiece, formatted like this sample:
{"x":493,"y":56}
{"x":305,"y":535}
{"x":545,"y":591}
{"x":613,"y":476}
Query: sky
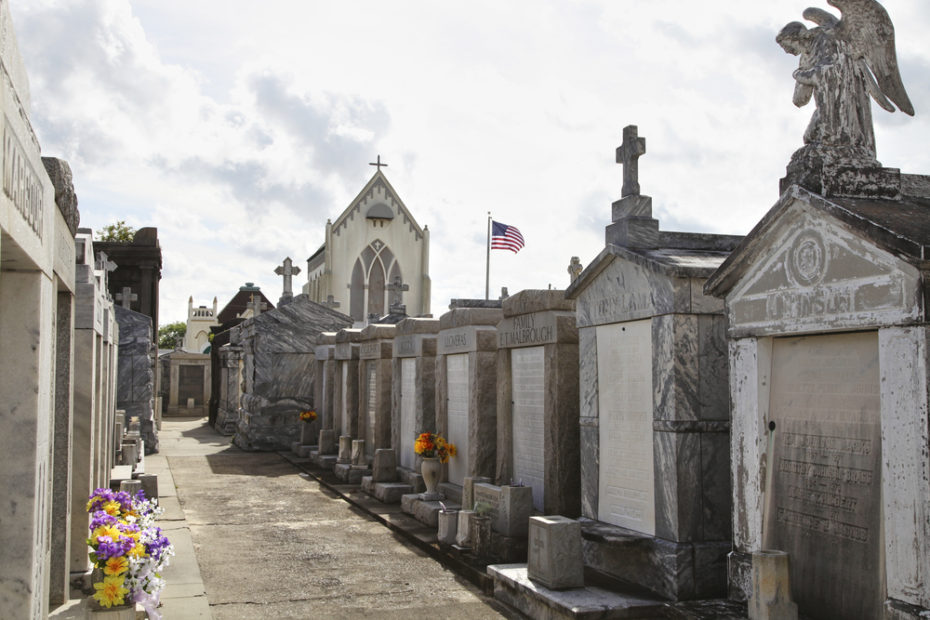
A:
{"x":238,"y":127}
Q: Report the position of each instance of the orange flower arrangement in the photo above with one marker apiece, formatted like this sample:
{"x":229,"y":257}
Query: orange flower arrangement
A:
{"x":430,"y":445}
{"x":307,"y":416}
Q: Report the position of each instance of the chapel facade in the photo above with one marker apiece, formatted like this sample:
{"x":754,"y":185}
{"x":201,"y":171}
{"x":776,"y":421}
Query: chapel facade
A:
{"x":375,"y":258}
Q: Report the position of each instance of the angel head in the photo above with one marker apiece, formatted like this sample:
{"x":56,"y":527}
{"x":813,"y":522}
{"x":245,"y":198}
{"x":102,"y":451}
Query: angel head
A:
{"x":795,"y":38}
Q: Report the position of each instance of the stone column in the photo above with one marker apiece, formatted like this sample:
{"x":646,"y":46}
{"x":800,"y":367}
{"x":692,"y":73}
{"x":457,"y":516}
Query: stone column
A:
{"x":61,"y":478}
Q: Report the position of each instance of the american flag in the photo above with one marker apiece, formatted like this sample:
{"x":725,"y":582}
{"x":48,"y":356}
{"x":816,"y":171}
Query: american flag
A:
{"x":504,"y":237}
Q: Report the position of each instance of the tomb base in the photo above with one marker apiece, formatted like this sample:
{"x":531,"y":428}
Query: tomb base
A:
{"x":899,"y":610}
{"x":350,"y":474}
{"x":676,"y":571}
{"x":414,"y":479}
{"x":452,"y":492}
{"x":323,"y":461}
{"x":385,"y":492}
{"x":426,"y":512}
{"x":304,"y":451}
{"x":513,"y":587}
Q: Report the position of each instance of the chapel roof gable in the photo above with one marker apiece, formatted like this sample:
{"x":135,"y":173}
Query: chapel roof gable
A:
{"x":356,"y":209}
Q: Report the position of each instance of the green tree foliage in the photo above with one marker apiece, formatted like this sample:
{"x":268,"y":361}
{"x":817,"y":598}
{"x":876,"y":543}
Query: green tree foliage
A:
{"x":171,"y":335}
{"x":116,"y":232}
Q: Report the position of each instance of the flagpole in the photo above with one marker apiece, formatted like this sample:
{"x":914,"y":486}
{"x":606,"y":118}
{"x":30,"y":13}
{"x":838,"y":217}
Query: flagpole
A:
{"x":487,"y":263}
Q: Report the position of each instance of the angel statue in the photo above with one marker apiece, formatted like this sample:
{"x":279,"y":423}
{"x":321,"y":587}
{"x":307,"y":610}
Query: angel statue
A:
{"x":842,"y":63}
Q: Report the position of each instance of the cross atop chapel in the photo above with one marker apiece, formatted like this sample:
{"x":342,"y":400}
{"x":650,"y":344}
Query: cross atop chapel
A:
{"x":378,"y":164}
{"x":126,"y":297}
{"x":628,"y":154}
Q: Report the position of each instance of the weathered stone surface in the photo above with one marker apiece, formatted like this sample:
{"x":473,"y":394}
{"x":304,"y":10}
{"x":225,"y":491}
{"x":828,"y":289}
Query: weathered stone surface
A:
{"x":555,"y":552}
{"x":135,"y":386}
{"x":59,"y":171}
{"x":531,"y":300}
{"x":278,"y":350}
{"x":384,"y":465}
{"x":771,"y":587}
{"x":513,"y":586}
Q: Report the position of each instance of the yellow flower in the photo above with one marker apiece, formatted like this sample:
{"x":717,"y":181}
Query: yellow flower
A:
{"x":116,"y":566}
{"x":111,"y":591}
{"x":137,"y":551}
{"x":106,"y":530}
{"x":112,"y":508}
{"x":453,"y":451}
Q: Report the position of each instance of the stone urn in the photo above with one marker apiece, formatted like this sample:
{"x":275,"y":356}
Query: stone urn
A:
{"x":430,"y":468}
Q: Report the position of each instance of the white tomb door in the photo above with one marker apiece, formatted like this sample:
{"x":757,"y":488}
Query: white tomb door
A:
{"x":626,"y":485}
{"x":371,"y":372}
{"x":408,"y":411}
{"x":527,"y":370}
{"x":457,"y":386}
{"x":343,"y":406}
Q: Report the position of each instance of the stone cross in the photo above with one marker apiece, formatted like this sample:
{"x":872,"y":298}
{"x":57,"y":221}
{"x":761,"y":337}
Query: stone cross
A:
{"x":330,"y":302}
{"x":397,"y":289}
{"x":575,"y":268}
{"x":126,"y":296}
{"x":378,"y":164}
{"x":256,"y":305}
{"x":628,"y":154}
{"x":287,"y":270}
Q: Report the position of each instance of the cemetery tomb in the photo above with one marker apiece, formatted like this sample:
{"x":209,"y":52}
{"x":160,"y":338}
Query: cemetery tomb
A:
{"x":371,"y":403}
{"x":654,"y":417}
{"x":457,"y":425}
{"x":344,"y":423}
{"x":537,"y":399}
{"x":413,"y":390}
{"x":408,"y":413}
{"x":279,"y":353}
{"x":466,"y":394}
{"x":324,"y":398}
{"x":528,"y":372}
{"x":829,"y":387}
{"x":626,"y":492}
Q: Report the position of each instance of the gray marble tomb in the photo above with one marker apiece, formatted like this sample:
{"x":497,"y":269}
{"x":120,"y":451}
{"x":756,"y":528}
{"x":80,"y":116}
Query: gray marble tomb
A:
{"x":345,"y":385}
{"x":654,"y":410}
{"x":537,"y":399}
{"x":135,"y":386}
{"x":278,"y":355}
{"x":230,"y":385}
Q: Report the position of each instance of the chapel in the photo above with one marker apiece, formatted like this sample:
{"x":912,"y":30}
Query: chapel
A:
{"x":375,"y":259}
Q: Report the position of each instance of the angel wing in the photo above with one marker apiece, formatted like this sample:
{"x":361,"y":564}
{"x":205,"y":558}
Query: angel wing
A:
{"x":868,"y":30}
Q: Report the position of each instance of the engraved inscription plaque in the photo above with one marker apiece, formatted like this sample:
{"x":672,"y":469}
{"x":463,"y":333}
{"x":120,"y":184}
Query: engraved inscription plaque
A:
{"x":626,"y":486}
{"x":190,"y":384}
{"x":457,"y":381}
{"x":371,"y":371}
{"x":824,"y":505}
{"x":408,"y":424}
{"x":527,"y":366}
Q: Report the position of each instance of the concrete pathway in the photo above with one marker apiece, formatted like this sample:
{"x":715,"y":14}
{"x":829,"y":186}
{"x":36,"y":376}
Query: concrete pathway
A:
{"x":271,"y":543}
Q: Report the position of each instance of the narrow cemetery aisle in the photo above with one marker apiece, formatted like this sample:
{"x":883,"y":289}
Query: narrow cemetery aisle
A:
{"x":273,"y":544}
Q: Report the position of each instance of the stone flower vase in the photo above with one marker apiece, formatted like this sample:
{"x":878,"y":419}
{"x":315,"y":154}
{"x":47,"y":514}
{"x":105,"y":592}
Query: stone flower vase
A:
{"x":430,"y":468}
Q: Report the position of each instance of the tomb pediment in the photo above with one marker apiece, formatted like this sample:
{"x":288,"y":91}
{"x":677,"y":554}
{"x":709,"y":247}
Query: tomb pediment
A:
{"x":625,"y":285}
{"x":816,"y":265}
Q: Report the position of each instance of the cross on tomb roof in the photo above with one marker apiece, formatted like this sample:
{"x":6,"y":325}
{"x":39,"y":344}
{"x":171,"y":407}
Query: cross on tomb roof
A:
{"x":330,"y":302}
{"x":397,"y":289}
{"x":378,"y":164}
{"x":628,"y":154}
{"x":287,"y":270}
{"x":126,"y":297}
{"x":256,"y":305}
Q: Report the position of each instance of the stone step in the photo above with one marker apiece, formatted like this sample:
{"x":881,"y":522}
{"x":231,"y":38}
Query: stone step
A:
{"x":424,"y":511}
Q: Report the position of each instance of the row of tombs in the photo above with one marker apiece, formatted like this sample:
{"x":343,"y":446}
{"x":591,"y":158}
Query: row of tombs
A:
{"x":690,"y":400}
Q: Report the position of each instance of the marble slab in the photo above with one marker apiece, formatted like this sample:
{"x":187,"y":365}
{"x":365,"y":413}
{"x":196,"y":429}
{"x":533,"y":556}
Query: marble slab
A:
{"x":527,"y":368}
{"x":458,"y":399}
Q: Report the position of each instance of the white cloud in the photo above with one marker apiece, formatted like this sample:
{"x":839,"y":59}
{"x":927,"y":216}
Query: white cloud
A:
{"x":238,"y":127}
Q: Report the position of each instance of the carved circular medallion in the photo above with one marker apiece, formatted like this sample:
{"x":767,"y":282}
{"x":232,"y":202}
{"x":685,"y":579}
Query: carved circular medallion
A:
{"x":807,"y":261}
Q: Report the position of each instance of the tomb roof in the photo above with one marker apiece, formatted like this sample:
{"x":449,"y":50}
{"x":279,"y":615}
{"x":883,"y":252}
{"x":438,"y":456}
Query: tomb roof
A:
{"x":899,"y":226}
